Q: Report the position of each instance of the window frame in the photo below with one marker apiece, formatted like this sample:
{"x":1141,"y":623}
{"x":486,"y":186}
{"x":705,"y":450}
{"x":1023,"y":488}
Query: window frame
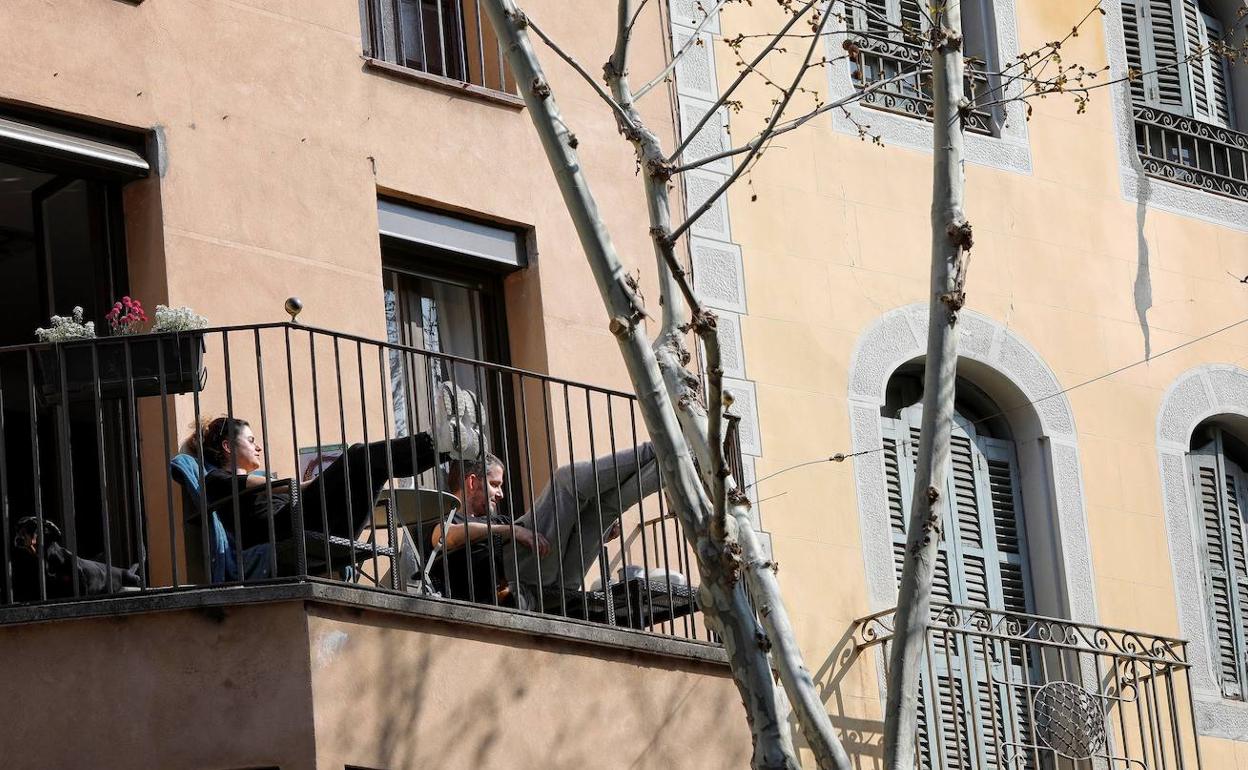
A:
{"x":405,"y":260}
{"x":1008,"y":149}
{"x":381,"y":31}
{"x":1238,"y":613}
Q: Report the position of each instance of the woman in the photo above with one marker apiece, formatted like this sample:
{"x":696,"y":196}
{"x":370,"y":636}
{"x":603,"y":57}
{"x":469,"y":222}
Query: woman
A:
{"x":341,"y":499}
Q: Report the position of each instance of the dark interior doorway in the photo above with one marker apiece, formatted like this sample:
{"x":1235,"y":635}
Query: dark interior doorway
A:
{"x":62,"y":246}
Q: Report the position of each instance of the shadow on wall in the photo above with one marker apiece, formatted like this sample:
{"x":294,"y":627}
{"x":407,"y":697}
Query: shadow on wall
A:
{"x":516,"y":704}
{"x":1143,"y":289}
{"x":862,"y":738}
{"x":1143,"y":278}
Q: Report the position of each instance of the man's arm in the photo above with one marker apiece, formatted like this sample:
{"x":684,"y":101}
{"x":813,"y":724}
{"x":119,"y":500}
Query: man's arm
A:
{"x":478,"y":529}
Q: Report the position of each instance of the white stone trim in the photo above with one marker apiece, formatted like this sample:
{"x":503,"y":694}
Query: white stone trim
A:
{"x":716,"y":262}
{"x":1197,"y":395}
{"x":899,"y":336}
{"x":1009,"y":151}
{"x":1136,"y":186}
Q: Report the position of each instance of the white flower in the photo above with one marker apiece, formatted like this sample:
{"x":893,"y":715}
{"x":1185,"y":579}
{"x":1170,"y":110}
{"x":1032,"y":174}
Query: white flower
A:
{"x":177,"y":319}
{"x":64,"y":329}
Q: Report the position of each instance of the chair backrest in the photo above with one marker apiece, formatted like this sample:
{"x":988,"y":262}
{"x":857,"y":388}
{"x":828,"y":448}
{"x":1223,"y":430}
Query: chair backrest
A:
{"x":223,"y":563}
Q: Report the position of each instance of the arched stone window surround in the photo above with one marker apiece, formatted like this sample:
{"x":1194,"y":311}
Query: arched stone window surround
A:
{"x":1009,"y":369}
{"x":1198,"y":394}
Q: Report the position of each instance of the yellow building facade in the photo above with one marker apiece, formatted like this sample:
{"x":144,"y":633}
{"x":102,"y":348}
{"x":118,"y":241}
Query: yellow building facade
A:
{"x":373,"y":160}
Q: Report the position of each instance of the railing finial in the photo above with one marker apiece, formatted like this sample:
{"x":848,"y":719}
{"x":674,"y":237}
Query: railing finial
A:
{"x":294,"y":306}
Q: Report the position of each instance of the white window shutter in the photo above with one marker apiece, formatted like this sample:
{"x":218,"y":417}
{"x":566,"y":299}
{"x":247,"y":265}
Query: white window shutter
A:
{"x":1217,"y":76}
{"x":1219,"y":493}
{"x":1131,"y":21}
{"x":1161,"y":51}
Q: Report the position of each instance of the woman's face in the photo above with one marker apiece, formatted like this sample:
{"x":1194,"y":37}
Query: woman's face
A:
{"x":247,"y":453}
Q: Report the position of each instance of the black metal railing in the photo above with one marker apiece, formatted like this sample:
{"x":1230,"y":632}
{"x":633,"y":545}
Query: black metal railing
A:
{"x":449,"y":39}
{"x":107,"y":453}
{"x":1191,"y":152}
{"x":1009,"y":690}
{"x":879,"y":58}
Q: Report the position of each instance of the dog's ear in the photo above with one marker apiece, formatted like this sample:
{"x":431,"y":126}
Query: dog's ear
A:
{"x":27,"y":526}
{"x":52,"y":532}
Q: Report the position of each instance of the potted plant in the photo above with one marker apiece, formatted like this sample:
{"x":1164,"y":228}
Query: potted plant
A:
{"x":168,"y":358}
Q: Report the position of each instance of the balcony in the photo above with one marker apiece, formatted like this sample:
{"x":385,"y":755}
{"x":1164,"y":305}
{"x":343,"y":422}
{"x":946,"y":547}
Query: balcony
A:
{"x":1024,"y":691}
{"x":1191,"y":152}
{"x":90,"y":456}
{"x":878,"y":58}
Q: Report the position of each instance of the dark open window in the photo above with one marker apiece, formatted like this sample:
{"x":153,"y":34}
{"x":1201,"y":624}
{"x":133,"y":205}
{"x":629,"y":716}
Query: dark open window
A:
{"x":449,"y":39}
{"x":444,"y":297}
{"x":62,"y":245}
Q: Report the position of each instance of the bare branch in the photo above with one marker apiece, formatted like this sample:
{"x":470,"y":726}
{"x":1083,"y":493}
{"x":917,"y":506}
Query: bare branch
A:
{"x":777,"y":113}
{"x":801,"y":120}
{"x":619,"y":111}
{"x":723,"y":97}
{"x":693,"y":40}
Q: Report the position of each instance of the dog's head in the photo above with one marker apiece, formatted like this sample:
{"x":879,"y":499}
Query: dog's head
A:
{"x":26,"y":534}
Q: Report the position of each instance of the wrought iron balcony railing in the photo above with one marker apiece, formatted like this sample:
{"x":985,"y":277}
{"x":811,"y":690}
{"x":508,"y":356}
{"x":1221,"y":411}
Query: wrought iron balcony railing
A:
{"x":1008,"y":690}
{"x":880,"y":58}
{"x":1191,"y":152}
{"x":98,"y":498}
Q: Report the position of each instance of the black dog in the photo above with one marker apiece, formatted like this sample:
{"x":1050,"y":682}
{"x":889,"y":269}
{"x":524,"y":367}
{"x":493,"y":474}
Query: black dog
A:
{"x":94,"y":578}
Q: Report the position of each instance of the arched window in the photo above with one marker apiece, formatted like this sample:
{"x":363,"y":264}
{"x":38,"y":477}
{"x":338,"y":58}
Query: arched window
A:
{"x":983,"y":548}
{"x":982,"y":562}
{"x":1219,"y":488}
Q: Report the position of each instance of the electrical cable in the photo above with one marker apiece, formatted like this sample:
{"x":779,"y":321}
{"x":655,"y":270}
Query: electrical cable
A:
{"x":843,"y":456}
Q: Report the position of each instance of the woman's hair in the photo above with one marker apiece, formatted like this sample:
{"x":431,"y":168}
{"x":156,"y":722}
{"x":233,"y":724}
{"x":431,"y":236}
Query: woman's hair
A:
{"x":214,"y":431}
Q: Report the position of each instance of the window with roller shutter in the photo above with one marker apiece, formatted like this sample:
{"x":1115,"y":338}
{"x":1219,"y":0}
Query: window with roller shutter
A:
{"x":982,"y":562}
{"x":1219,"y":489}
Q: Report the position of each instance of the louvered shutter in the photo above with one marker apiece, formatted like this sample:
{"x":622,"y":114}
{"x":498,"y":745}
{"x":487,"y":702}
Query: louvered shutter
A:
{"x":1212,"y":72}
{"x":983,"y":548}
{"x":1131,"y":37}
{"x":1197,"y":37}
{"x":981,"y":561}
{"x":1220,"y":84}
{"x":884,"y":18}
{"x":1219,"y":488}
{"x":1162,"y":48}
{"x":901,"y":452}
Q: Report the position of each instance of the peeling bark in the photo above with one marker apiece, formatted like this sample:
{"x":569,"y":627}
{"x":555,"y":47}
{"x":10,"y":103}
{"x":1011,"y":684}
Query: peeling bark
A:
{"x":721,"y":593}
{"x":951,"y":240}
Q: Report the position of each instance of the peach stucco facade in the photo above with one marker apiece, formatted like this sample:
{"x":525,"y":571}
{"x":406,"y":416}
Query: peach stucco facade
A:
{"x":839,"y":235}
{"x":275,"y":140}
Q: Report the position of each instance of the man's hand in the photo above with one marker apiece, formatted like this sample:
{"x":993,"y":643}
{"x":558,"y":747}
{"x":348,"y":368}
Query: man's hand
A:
{"x":534,"y":541}
{"x":612,"y":532}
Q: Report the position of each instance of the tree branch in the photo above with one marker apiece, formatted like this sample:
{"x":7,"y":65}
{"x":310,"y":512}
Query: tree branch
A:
{"x":690,"y":43}
{"x":620,"y":113}
{"x":723,"y":97}
{"x":801,"y":120}
{"x":763,"y":136}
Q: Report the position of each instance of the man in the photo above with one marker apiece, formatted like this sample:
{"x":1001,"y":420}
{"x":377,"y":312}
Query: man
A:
{"x":556,"y":543}
{"x":476,"y":572}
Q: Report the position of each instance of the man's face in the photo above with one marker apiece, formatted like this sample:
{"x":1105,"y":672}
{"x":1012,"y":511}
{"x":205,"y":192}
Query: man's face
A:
{"x":485,"y":495}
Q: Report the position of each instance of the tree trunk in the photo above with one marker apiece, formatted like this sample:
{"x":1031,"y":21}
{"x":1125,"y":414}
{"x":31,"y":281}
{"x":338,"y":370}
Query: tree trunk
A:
{"x":722,"y":595}
{"x":951,"y":240}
